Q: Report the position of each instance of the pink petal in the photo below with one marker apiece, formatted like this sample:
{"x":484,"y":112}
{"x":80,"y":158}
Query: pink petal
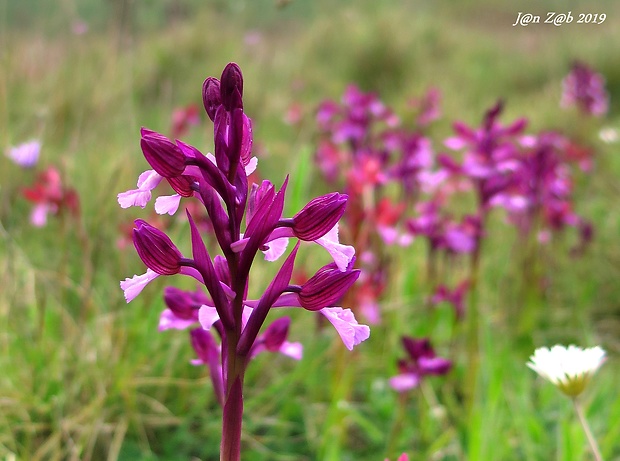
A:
{"x":277,"y":247}
{"x":167,"y":204}
{"x":207,"y":316}
{"x":455,"y":143}
{"x":342,"y":254}
{"x":459,"y":241}
{"x":251,"y":166}
{"x":343,"y":320}
{"x":149,"y":180}
{"x":168,"y":321}
{"x":293,"y":350}
{"x":404,"y":382}
{"x":132,"y":287}
{"x":371,"y":311}
{"x":134,"y":197}
{"x":38,"y":216}
{"x":388,"y":234}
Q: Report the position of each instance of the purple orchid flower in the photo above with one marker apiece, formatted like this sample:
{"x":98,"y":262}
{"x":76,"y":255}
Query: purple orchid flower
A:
{"x":542,"y":191}
{"x":421,"y":362}
{"x":585,"y":88}
{"x":220,"y":183}
{"x":455,"y":297}
{"x":490,"y":153}
{"x":442,"y":232}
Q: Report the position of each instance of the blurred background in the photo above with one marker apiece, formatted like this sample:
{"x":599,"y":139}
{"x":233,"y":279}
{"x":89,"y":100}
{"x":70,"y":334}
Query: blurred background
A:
{"x":86,"y":376}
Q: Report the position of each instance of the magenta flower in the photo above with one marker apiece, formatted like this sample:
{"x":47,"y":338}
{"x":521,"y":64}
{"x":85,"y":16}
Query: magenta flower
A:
{"x":441,"y":231}
{"x":455,"y":296}
{"x":365,"y":147}
{"x":491,"y":153}
{"x":421,"y":362}
{"x":182,"y":308}
{"x":416,"y":159}
{"x":220,"y":183}
{"x":428,"y":106}
{"x":542,"y":189}
{"x":584,"y":88}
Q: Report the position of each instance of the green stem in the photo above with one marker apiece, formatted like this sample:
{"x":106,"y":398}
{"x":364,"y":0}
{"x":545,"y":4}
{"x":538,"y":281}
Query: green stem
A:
{"x":472,"y":339}
{"x":397,"y":425}
{"x":335,"y":433}
{"x":586,"y":428}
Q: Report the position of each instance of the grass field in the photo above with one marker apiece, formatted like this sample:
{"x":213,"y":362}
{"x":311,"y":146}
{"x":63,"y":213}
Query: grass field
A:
{"x":86,"y":376}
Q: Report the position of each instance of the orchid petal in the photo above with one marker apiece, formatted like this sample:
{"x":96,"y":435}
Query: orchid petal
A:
{"x":168,"y":320}
{"x":343,"y":320}
{"x":342,"y":254}
{"x":132,"y":287}
{"x":167,"y":204}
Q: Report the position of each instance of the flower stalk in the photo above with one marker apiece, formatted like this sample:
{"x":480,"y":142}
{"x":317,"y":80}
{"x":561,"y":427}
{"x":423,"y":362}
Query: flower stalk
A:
{"x":586,"y":428}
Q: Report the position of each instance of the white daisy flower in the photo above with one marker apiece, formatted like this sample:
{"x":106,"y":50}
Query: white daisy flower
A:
{"x":569,"y":368}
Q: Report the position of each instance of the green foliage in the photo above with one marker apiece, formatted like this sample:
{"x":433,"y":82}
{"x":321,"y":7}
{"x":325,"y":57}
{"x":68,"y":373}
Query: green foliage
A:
{"x":85,"y":376}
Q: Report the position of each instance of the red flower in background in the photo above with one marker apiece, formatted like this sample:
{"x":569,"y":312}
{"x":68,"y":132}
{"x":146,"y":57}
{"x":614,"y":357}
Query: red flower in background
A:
{"x":183,"y":118}
{"x":50,"y":196}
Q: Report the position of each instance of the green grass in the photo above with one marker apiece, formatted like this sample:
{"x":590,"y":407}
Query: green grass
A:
{"x":85,"y":376}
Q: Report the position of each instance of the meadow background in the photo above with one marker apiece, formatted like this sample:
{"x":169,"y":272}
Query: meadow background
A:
{"x":83,"y":375}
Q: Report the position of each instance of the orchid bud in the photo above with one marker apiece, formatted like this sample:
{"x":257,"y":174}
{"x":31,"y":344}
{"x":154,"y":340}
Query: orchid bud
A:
{"x":326,"y":287}
{"x":319,"y":216}
{"x":246,"y":141}
{"x":203,"y":344}
{"x":211,"y":96}
{"x":182,"y":303}
{"x":162,"y":154}
{"x":156,"y":249}
{"x":231,"y":87}
{"x":276,"y":333}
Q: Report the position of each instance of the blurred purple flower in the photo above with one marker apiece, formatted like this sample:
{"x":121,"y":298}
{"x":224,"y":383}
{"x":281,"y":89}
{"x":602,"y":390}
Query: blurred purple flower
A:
{"x":428,"y":106}
{"x":26,"y":154}
{"x":455,"y":296}
{"x":490,"y":155}
{"x":441,"y":231}
{"x":421,"y":362}
{"x":585,"y":88}
{"x":542,"y":189}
